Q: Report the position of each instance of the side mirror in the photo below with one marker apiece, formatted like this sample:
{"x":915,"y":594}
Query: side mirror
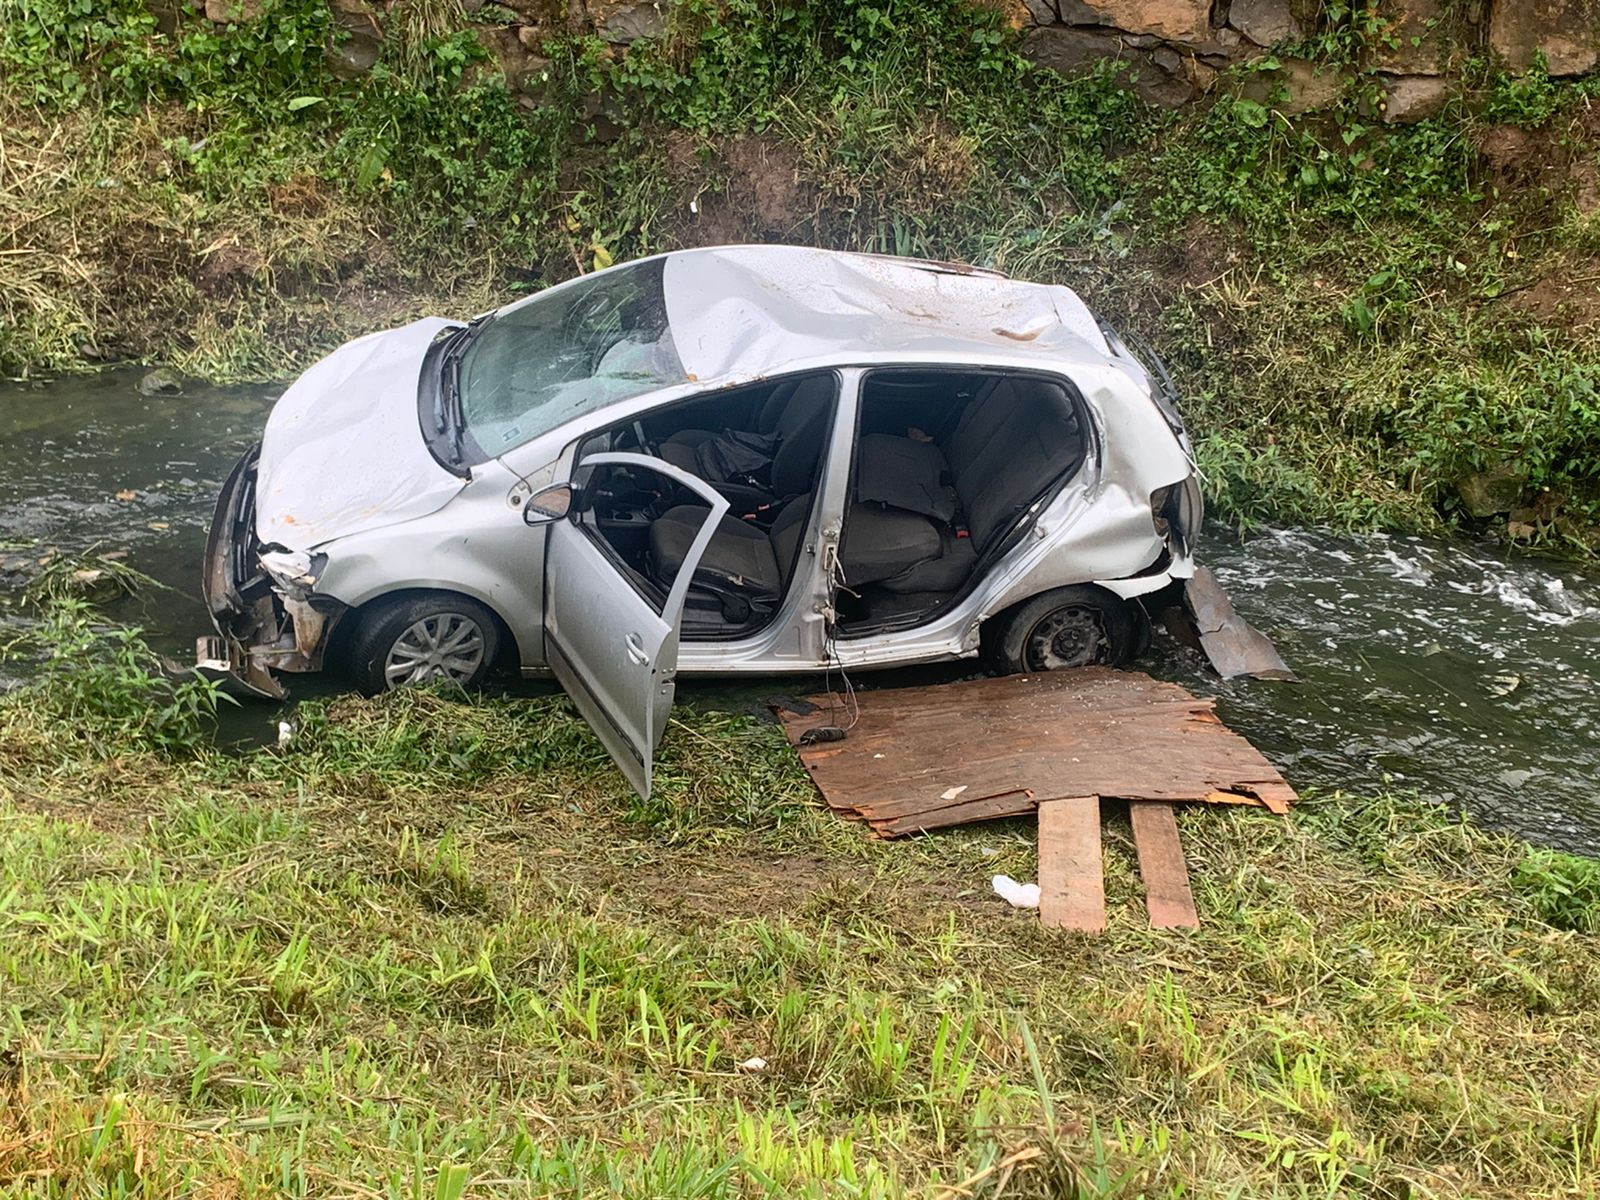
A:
{"x":550,"y":504}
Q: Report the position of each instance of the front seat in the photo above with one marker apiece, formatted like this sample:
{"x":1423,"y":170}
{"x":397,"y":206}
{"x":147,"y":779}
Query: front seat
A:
{"x":748,"y":569}
{"x":745,"y":567}
{"x":795,"y":410}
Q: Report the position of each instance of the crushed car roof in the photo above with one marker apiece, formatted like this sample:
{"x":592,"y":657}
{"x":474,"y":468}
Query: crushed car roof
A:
{"x":750,"y":311}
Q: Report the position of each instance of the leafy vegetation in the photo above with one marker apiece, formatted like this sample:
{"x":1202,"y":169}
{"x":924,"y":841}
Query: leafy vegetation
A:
{"x":437,"y":948}
{"x":1564,"y":890}
{"x":106,"y":691}
{"x":1367,"y":317}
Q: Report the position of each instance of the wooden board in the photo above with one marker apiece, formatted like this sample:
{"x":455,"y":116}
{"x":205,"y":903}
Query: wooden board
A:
{"x":1161,"y":865}
{"x":1072,"y":890}
{"x":1233,"y":646}
{"x":930,"y":757}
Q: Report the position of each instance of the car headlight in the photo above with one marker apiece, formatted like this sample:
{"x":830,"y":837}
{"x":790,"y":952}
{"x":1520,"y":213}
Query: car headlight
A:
{"x":294,"y":571}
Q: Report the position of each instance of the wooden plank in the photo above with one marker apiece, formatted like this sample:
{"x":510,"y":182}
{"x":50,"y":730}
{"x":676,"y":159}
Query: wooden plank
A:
{"x":935,"y":752}
{"x":1161,"y":865}
{"x":1276,"y":795}
{"x":1242,"y":798}
{"x":987,"y":808}
{"x":1072,"y":889}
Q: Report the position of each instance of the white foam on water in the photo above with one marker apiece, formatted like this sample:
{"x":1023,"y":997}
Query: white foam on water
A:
{"x":1407,"y":570}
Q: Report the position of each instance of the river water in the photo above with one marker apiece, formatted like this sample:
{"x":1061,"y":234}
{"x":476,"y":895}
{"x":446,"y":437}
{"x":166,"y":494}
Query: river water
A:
{"x":1444,"y":668}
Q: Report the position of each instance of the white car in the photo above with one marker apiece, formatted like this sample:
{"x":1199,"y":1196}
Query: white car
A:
{"x":742,"y":459}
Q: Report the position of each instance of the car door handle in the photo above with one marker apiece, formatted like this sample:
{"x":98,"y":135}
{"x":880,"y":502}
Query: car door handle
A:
{"x":636,"y":650}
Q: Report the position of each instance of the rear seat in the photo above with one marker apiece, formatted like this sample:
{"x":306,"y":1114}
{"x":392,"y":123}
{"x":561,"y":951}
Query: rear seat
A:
{"x":1007,"y":447}
{"x":747,"y":568}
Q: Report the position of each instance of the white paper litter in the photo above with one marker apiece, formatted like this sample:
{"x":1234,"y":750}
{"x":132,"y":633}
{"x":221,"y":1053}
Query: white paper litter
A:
{"x":952,"y":793}
{"x":1018,"y":895}
{"x":752,"y":1065}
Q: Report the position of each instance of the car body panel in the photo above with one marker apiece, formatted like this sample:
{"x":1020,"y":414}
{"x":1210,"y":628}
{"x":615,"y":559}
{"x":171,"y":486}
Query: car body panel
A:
{"x":609,"y":648}
{"x":341,"y":452}
{"x":352,"y":507}
{"x":478,"y":546}
{"x":755,"y":310}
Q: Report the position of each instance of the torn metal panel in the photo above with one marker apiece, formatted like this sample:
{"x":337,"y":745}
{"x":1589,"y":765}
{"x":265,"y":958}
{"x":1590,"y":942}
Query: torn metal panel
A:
{"x":925,"y":758}
{"x":237,"y":675}
{"x":1231,"y":644}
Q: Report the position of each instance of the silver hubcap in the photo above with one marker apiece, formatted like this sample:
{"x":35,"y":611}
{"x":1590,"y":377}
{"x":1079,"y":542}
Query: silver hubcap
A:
{"x":443,"y":646}
{"x":1069,"y":637}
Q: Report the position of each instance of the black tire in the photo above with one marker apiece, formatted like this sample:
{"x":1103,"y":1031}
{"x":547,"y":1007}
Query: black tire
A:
{"x":389,"y":628}
{"x":1062,"y":629}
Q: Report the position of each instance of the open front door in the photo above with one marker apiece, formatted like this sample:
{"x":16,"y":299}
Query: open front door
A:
{"x":611,"y":643}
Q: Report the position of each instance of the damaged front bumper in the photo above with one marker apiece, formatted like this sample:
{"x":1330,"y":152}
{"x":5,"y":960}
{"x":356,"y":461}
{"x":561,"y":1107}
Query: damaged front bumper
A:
{"x":261,"y":600}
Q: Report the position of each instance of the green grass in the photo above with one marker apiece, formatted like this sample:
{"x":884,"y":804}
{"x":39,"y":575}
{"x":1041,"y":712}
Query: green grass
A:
{"x":437,"y":949}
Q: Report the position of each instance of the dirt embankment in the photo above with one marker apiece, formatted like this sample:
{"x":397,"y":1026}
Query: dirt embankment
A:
{"x":1552,"y":167}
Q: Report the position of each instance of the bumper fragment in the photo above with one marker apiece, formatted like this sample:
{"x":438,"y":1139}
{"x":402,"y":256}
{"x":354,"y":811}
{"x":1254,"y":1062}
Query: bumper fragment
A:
{"x":1231,"y":644}
{"x":261,"y":626}
{"x":220,"y":661}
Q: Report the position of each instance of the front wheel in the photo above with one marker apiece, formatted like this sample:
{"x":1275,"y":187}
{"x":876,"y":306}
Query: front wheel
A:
{"x":423,"y":639}
{"x":1060,"y":630}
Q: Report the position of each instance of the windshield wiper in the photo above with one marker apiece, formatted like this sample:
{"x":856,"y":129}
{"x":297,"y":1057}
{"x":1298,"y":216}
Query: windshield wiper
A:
{"x":449,"y":418}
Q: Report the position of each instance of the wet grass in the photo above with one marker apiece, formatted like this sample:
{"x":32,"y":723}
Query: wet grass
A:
{"x":436,"y":948}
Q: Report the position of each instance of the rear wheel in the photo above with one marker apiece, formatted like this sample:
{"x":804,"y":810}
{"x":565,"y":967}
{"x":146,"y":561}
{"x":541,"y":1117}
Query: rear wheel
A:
{"x":1060,"y":630}
{"x":424,"y":639}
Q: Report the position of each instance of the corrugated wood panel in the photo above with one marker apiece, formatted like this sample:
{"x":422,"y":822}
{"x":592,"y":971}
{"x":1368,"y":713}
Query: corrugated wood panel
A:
{"x":1072,"y":889}
{"x":925,"y":758}
{"x":1162,"y":866}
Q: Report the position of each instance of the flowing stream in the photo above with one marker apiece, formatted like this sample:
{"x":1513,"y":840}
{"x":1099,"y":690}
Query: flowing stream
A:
{"x":1448,"y":669}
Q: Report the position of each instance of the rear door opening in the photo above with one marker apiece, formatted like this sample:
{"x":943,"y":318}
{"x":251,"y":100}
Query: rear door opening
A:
{"x":950,"y":467}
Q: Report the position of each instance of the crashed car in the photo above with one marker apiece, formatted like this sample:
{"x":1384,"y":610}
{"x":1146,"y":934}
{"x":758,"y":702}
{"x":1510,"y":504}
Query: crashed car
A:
{"x":740,"y":459}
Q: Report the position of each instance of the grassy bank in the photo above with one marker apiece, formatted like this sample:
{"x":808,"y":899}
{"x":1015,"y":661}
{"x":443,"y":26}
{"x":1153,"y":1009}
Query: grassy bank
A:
{"x":437,"y":949}
{"x":1369,"y":319}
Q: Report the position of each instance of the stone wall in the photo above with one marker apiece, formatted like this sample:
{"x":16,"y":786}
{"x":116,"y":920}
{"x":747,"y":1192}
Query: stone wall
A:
{"x":1174,"y":49}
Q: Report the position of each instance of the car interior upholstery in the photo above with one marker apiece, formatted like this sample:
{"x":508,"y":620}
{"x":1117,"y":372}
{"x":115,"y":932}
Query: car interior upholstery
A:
{"x":946,"y":463}
{"x":762,"y":448}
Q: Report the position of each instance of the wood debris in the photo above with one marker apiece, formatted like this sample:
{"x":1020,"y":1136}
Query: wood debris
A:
{"x":931,"y":757}
{"x":918,"y":759}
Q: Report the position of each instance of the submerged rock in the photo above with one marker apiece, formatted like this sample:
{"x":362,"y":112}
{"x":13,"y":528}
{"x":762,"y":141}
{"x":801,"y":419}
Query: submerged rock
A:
{"x":160,"y":382}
